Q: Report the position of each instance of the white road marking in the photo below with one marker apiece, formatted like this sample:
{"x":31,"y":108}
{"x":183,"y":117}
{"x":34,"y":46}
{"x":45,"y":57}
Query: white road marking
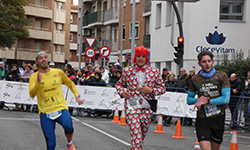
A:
{"x":22,"y":119}
{"x":103,"y":132}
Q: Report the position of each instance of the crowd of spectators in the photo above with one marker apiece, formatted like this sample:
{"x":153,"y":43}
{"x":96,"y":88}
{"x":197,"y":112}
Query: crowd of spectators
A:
{"x":100,"y":76}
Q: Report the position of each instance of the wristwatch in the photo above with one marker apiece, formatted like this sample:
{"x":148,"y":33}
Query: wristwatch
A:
{"x":208,"y":101}
{"x":78,"y":96}
{"x":153,"y":92}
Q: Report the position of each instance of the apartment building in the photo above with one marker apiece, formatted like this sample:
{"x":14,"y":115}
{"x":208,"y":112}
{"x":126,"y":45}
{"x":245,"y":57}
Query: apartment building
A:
{"x":49,"y":30}
{"x":100,"y":21}
{"x":218,"y":26}
{"x":73,"y":55}
{"x":142,"y":36}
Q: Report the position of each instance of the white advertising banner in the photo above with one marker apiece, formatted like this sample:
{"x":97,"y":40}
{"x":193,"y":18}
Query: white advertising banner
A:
{"x":97,"y":97}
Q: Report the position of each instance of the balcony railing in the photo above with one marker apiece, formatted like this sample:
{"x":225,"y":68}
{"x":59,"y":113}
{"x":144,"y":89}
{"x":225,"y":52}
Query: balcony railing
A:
{"x":58,"y":37}
{"x":39,"y":33}
{"x":29,"y":54}
{"x":59,"y":57}
{"x":147,"y":5}
{"x":146,"y":40}
{"x":93,"y":18}
{"x":7,"y":53}
{"x":38,"y":10}
{"x":111,"y":14}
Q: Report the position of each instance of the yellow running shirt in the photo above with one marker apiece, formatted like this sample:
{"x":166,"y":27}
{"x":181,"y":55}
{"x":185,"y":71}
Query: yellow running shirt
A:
{"x":49,"y":92}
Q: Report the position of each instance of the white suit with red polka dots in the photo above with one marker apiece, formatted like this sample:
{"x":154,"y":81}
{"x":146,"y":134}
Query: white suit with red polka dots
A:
{"x":139,"y":119}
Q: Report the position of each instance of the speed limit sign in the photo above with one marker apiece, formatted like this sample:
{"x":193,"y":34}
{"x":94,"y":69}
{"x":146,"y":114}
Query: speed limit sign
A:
{"x":90,"y":53}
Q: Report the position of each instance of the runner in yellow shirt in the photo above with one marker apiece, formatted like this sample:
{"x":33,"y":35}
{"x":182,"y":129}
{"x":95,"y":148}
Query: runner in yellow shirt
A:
{"x":46,"y":84}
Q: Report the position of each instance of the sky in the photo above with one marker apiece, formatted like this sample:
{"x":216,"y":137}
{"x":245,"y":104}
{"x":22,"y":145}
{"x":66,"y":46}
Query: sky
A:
{"x":75,"y":2}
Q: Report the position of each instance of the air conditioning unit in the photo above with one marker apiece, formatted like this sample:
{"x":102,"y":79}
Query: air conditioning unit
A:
{"x":85,"y":32}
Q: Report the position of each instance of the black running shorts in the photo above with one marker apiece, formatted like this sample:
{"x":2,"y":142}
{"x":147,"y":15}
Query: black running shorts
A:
{"x":210,"y":129}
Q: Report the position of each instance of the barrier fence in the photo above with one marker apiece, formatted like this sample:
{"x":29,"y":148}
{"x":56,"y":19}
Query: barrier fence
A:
{"x":99,"y":98}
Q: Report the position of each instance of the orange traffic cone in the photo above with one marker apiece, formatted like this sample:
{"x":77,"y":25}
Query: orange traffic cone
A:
{"x":122,"y":120}
{"x":178,"y":131}
{"x":159,"y":128}
{"x":234,"y":142}
{"x":116,"y":116}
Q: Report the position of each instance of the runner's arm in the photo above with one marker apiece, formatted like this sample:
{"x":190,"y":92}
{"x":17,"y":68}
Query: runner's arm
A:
{"x":190,"y":98}
{"x":33,"y":85}
{"x":223,"y":99}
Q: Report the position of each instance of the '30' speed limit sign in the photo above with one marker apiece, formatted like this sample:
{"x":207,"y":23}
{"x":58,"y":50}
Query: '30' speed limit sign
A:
{"x":90,"y":53}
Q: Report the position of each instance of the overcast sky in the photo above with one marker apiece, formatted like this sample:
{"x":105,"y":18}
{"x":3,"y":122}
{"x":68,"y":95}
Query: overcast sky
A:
{"x":75,"y":2}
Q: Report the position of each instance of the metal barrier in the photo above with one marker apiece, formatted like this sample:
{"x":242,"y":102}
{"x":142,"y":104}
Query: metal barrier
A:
{"x":238,"y":111}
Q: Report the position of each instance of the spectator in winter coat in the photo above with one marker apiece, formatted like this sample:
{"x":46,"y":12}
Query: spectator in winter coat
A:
{"x":164,"y":74}
{"x":98,"y":81}
{"x":3,"y":71}
{"x":88,"y":76}
{"x":236,"y":88}
{"x":28,"y":72}
{"x":22,"y":68}
{"x":188,"y":78}
{"x":14,"y":74}
{"x":182,"y":78}
{"x":105,"y":74}
{"x":34,"y":68}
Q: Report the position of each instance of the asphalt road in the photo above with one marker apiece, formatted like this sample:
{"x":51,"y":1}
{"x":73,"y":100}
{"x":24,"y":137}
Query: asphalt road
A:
{"x":22,"y":131}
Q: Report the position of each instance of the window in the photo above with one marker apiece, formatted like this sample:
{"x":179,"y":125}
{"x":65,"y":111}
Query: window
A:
{"x":71,"y":18}
{"x":71,"y":37}
{"x":61,"y":6}
{"x":231,"y":10}
{"x":60,"y":27}
{"x":70,"y":55}
{"x":93,"y":9}
{"x":20,"y":44}
{"x":59,"y":48}
{"x":38,"y":46}
{"x":136,"y":30}
{"x":38,"y":25}
{"x":168,"y":14}
{"x":158,"y":16}
{"x":115,"y":35}
{"x":39,"y":3}
{"x":123,"y":32}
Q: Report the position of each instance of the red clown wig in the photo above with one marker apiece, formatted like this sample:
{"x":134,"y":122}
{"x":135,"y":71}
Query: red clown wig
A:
{"x":141,"y":51}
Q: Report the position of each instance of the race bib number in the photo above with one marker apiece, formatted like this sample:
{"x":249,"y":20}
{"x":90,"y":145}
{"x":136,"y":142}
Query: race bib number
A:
{"x":211,"y":110}
{"x":134,"y":103}
{"x":54,"y":115}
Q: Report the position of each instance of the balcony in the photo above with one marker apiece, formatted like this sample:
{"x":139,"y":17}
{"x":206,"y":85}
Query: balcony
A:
{"x":58,"y":57}
{"x":64,"y":1}
{"x":58,"y":37}
{"x":93,"y":19}
{"x":111,"y":44}
{"x":59,"y":16}
{"x":7,"y":53}
{"x":147,"y":6}
{"x":28,"y":54}
{"x":146,"y":41}
{"x":111,"y":16}
{"x":73,"y":28}
{"x":38,"y":11}
{"x":39,"y":33}
{"x":73,"y":46}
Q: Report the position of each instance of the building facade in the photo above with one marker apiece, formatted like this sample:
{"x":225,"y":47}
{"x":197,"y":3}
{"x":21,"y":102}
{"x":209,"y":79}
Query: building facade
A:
{"x":100,"y":21}
{"x":73,"y":55}
{"x":141,"y":27}
{"x":219,"y":26}
{"x":49,"y":30}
